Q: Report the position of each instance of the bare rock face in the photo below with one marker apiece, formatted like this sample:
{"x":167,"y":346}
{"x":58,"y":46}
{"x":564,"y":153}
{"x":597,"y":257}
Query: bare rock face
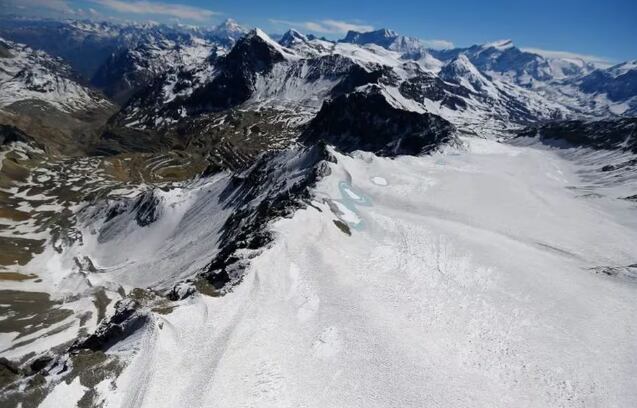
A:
{"x":10,"y":134}
{"x":608,"y":134}
{"x":618,"y":82}
{"x":275,"y":186}
{"x":238,"y":69}
{"x":126,"y":320}
{"x":365,"y":120}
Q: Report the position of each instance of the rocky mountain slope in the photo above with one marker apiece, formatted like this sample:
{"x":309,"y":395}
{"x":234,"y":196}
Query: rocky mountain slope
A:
{"x":120,"y":58}
{"x":28,"y":74}
{"x":299,"y":74}
{"x":45,"y":98}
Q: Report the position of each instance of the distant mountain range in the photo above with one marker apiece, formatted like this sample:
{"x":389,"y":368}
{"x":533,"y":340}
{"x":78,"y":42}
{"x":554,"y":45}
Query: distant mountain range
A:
{"x":461,"y":84}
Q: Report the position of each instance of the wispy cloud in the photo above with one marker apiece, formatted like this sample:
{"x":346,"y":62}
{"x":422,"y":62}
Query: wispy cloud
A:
{"x":438,"y":44}
{"x":56,"y":6}
{"x":180,"y":11}
{"x":327,"y":26}
{"x":569,"y":55}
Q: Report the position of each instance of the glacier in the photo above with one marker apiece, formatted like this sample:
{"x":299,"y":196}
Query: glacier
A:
{"x":463,"y":278}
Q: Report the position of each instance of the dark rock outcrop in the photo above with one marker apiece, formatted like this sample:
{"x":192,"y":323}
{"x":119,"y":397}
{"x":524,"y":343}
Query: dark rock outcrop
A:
{"x":616,"y":87}
{"x":612,"y":134}
{"x":365,"y":120}
{"x":275,"y":186}
{"x":9,"y":372}
{"x":146,"y":208}
{"x":358,"y":76}
{"x":11,"y":134}
{"x":429,"y":86}
{"x":119,"y":78}
{"x":234,"y":84}
{"x":5,"y":51}
{"x":126,"y":320}
{"x":628,"y":272}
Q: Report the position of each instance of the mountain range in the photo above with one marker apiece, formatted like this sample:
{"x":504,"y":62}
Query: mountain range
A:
{"x":186,"y":209}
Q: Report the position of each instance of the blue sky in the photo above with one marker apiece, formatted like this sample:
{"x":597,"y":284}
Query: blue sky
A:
{"x":605,"y":29}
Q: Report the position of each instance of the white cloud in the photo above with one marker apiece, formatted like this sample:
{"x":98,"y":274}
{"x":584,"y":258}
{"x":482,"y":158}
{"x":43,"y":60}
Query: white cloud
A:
{"x":327,"y":26}
{"x":343,"y":27}
{"x":57,"y":6}
{"x":164,"y":9}
{"x":438,"y":44}
{"x":569,"y":55}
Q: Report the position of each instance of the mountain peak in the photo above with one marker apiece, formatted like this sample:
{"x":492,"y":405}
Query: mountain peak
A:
{"x":462,"y":71}
{"x":230,"y":28}
{"x":383,"y":37}
{"x":257,"y":32}
{"x":230,"y":24}
{"x":260,"y":35}
{"x":387,"y":33}
{"x":460,"y":66}
{"x":462,"y":61}
{"x":291,"y":37}
{"x":623,"y":68}
{"x":499,"y":45}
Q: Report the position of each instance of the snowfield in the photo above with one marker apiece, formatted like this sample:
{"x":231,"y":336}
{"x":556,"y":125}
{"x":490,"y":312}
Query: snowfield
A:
{"x":465,"y":279}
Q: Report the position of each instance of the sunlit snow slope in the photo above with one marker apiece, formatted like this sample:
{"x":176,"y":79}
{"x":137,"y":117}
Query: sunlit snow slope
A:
{"x":468,"y":280}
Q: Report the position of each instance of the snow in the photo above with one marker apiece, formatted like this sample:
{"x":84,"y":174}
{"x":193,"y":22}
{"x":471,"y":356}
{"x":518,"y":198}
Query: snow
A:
{"x":469,"y":284}
{"x":127,"y":256}
{"x":176,"y":245}
{"x":345,"y":213}
{"x":379,"y":181}
{"x":284,"y":51}
{"x":588,"y":62}
{"x":619,"y":108}
{"x":65,"y":395}
{"x":230,"y":28}
{"x":397,"y":100}
{"x":623,"y":68}
{"x":469,"y":77}
{"x":368,"y":54}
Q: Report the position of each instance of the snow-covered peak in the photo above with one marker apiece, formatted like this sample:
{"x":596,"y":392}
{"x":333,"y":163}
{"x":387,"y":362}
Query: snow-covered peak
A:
{"x":230,"y":28}
{"x":258,"y":33}
{"x":387,"y":33}
{"x":382,"y":37}
{"x":623,"y":68}
{"x":462,"y":66}
{"x":501,"y":45}
{"x":292,"y":37}
{"x":230,"y":25}
{"x":102,"y":29}
{"x":463,"y":72}
{"x":526,"y":67}
{"x":408,"y":47}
